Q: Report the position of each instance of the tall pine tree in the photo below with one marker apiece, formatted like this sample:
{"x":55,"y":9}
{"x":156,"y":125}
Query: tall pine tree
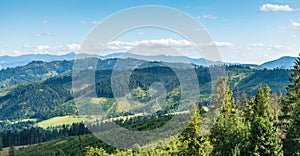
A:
{"x":292,"y":96}
{"x":193,"y":143}
{"x":228,"y":133}
{"x":291,"y":144}
{"x":264,"y":139}
{"x":291,"y":113}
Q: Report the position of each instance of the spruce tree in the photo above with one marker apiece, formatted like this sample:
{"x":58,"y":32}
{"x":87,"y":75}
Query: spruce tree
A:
{"x":249,"y":112}
{"x":229,"y":133}
{"x":193,"y":143}
{"x":291,"y":113}
{"x":291,"y":144}
{"x":292,"y":96}
{"x":264,"y":139}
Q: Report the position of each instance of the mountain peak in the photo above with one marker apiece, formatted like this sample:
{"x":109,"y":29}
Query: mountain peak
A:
{"x":286,"y":62}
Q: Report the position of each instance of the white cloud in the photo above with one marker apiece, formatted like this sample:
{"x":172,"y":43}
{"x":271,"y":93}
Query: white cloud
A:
{"x":223,"y":44}
{"x":159,"y":46}
{"x":295,"y":25}
{"x":275,"y":7}
{"x":217,"y":44}
{"x":95,"y":22}
{"x":73,"y":47}
{"x":264,"y":47}
{"x":16,"y":53}
{"x":42,"y":48}
{"x":43,"y":34}
{"x":209,"y":16}
{"x":27,"y":46}
{"x":165,"y":42}
{"x":256,"y":45}
{"x":167,"y":46}
{"x":173,"y":42}
{"x":278,"y":47}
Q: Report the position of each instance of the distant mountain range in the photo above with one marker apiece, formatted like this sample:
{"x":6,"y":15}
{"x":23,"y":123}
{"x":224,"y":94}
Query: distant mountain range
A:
{"x":286,"y":62}
{"x":13,"y":61}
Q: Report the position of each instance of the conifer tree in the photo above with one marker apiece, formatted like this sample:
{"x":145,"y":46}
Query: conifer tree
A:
{"x":228,"y":134}
{"x":291,"y":113}
{"x":192,"y":141}
{"x":249,"y":111}
{"x":291,"y":144}
{"x":292,"y":95}
{"x":264,"y":139}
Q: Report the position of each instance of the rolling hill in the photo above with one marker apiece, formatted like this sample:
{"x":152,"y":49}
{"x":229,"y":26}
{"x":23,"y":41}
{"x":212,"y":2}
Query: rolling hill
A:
{"x":286,"y":62}
{"x":53,"y":97}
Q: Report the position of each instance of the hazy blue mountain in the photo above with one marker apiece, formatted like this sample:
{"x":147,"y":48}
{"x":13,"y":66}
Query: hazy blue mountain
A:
{"x":40,"y":70}
{"x":14,"y":61}
{"x":165,"y":58}
{"x":286,"y":62}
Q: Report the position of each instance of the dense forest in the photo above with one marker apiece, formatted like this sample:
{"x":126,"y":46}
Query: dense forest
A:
{"x":257,"y":127}
{"x":255,"y":114}
{"x":53,"y":97}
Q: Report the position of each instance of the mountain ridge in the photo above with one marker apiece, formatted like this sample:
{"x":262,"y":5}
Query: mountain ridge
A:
{"x":285,"y":62}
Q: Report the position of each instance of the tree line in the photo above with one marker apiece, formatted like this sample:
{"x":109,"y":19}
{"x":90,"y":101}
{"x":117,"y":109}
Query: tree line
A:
{"x":257,"y":127}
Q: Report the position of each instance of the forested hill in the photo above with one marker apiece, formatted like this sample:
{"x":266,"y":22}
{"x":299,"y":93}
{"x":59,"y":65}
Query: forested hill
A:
{"x":38,"y":70}
{"x":52,"y":97}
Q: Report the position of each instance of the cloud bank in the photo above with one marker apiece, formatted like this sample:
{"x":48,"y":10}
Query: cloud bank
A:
{"x":275,"y":7}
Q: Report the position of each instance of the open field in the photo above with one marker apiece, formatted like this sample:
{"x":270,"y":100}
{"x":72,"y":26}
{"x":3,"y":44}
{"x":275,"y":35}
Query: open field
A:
{"x":60,"y":120}
{"x":4,"y":152}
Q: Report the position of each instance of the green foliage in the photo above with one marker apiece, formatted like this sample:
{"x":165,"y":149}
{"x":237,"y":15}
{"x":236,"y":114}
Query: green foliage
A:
{"x":37,"y":100}
{"x":193,"y":143}
{"x":52,"y":97}
{"x":264,"y":139}
{"x":229,"y":107}
{"x":228,"y":135}
{"x":291,"y":113}
{"x":91,"y":151}
{"x":190,"y":142}
{"x":293,"y":94}
{"x":291,"y":144}
{"x":277,"y":79}
{"x":74,"y":145}
{"x":232,"y":134}
{"x":32,"y":72}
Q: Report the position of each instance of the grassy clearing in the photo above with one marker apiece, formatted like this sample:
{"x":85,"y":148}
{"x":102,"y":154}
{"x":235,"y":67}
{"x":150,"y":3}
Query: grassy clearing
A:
{"x":58,"y":121}
{"x":5,"y":150}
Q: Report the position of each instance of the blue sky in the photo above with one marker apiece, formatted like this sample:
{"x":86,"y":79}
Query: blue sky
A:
{"x":245,"y":31}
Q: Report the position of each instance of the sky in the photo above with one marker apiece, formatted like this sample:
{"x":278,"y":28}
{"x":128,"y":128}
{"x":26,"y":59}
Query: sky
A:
{"x":244,"y":31}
